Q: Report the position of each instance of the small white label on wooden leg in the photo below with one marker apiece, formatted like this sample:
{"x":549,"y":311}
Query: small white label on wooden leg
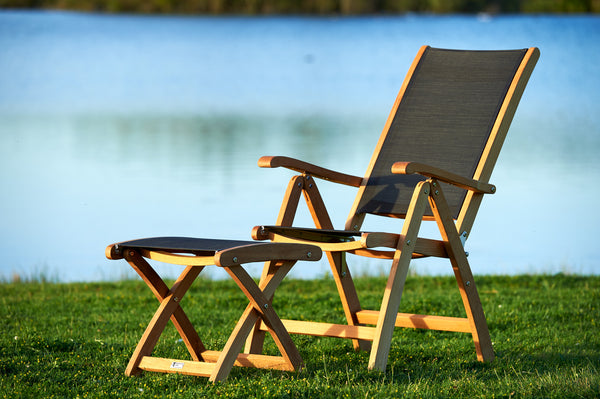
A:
{"x":177,"y":365}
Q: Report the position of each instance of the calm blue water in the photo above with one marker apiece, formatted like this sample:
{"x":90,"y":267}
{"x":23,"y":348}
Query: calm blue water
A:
{"x":119,"y":127}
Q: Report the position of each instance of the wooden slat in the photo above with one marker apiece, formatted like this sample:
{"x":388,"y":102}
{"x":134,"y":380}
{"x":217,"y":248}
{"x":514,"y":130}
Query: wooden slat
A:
{"x":429,"y":322}
{"x":175,"y":259}
{"x":206,"y":368}
{"x":327,"y":329}
{"x":252,"y":360}
{"x":188,"y":367}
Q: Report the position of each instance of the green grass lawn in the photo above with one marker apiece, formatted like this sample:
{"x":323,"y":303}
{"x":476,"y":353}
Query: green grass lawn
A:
{"x":74,"y":340}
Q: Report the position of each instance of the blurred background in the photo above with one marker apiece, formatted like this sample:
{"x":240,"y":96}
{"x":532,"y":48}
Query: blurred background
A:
{"x":321,"y":7}
{"x":129,"y":119}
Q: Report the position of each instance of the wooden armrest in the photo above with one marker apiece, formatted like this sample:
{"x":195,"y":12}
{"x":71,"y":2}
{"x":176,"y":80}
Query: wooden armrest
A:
{"x":307,"y":168}
{"x":408,"y":168}
{"x":266,"y":252}
{"x":308,"y":234}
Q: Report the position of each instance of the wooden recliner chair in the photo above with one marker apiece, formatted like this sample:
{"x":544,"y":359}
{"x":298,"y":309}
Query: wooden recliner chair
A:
{"x":433,"y":161}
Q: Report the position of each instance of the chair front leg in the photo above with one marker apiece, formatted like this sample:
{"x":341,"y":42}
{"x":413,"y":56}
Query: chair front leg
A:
{"x":160,"y":290}
{"x":397,"y":277}
{"x":168,"y":309}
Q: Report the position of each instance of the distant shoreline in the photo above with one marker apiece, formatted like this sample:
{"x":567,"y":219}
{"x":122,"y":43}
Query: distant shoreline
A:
{"x":289,"y":7}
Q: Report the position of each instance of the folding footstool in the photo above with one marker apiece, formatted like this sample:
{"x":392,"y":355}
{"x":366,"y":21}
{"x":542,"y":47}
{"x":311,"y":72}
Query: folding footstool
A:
{"x":195,"y":254}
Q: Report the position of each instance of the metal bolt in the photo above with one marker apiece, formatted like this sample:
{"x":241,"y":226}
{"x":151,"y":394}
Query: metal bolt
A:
{"x":131,"y":253}
{"x":466,"y":254}
{"x":434,"y":184}
{"x":426,"y":191}
{"x":176,"y":299}
{"x":266,"y":306}
{"x":300,"y":185}
{"x":468,"y":283}
{"x":309,"y":255}
{"x":355,"y":227}
{"x":436,"y":192}
{"x":310,"y":185}
{"x":493,"y":189}
{"x":343,"y":274}
{"x":407,"y":242}
{"x":235,"y":259}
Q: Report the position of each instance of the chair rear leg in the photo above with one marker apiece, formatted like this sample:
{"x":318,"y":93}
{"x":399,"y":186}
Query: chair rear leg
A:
{"x":348,"y":295}
{"x":287,"y":212}
{"x":259,"y":308}
{"x":474,"y":310}
{"x":463,"y":274}
{"x":337,"y":261}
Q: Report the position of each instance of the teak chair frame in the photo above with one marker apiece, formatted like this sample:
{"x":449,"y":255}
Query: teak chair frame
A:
{"x":209,"y":363}
{"x":404,"y":246}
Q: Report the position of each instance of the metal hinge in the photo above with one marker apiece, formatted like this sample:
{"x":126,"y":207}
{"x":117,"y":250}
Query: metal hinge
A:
{"x":463,"y":237}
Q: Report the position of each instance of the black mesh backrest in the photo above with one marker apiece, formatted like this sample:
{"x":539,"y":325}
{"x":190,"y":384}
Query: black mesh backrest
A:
{"x":444,"y":120}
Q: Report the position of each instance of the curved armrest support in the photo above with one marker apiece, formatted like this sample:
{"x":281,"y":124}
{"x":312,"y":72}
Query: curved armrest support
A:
{"x":307,"y":168}
{"x":408,"y":168}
